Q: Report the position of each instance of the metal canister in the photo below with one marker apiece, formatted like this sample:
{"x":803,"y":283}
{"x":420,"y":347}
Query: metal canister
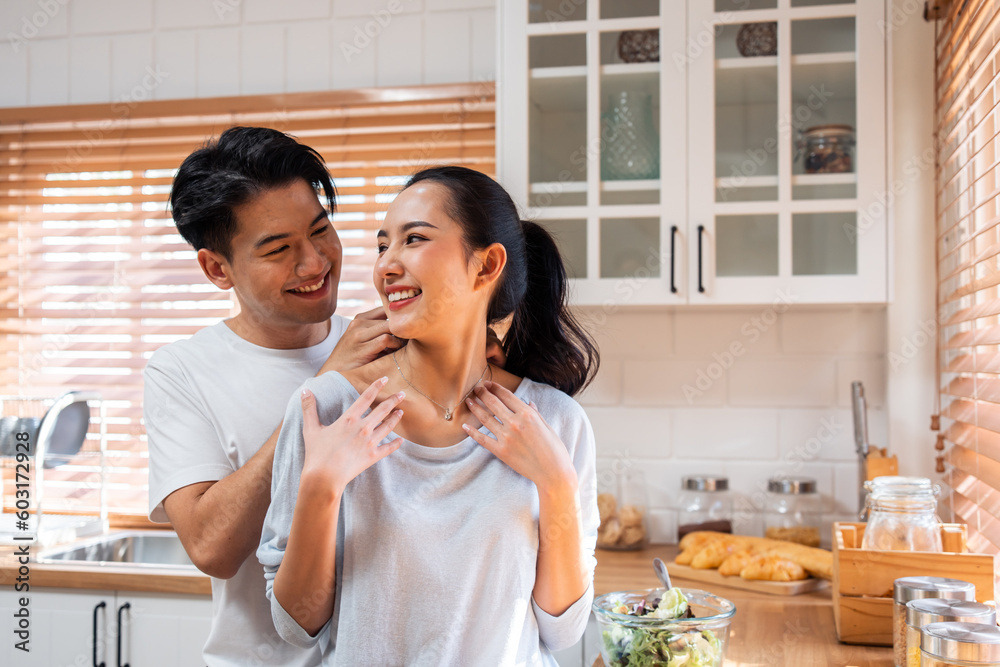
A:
{"x":960,"y":645}
{"x":917,"y":588}
{"x":940,"y":610}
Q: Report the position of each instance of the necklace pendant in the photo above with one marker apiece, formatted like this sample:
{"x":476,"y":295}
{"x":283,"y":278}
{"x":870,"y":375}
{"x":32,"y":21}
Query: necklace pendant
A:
{"x":447,"y":414}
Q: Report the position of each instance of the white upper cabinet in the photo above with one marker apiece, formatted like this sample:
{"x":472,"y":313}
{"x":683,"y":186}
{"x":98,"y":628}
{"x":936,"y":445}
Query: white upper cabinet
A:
{"x":700,"y":154}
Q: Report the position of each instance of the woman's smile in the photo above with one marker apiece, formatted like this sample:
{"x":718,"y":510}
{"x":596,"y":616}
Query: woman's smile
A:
{"x":400,"y":297}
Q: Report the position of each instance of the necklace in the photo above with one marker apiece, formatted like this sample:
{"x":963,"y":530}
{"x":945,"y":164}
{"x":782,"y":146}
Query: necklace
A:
{"x":447,"y":410}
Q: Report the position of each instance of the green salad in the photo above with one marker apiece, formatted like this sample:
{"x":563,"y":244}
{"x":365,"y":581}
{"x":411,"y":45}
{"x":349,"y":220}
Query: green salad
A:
{"x":666,"y":647}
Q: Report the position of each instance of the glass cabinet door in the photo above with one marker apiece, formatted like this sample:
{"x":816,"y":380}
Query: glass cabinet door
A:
{"x":601,"y":140}
{"x":782,"y":132}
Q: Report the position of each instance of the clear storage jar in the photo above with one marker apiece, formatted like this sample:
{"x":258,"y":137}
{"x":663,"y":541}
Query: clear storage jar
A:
{"x":902,"y":515}
{"x":704,"y":503}
{"x":791,"y":510}
{"x":827,"y":149}
{"x":906,"y":589}
{"x":622,"y":501}
{"x":960,"y":645}
{"x":940,"y":610}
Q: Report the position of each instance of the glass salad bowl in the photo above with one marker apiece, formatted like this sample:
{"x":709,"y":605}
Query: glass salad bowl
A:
{"x":628,"y":639}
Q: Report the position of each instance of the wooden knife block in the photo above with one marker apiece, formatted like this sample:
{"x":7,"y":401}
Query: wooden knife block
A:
{"x":880,"y":465}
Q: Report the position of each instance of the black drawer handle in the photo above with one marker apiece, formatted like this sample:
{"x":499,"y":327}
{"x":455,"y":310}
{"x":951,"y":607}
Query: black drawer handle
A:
{"x":99,"y":605}
{"x":701,"y":234}
{"x":120,"y":610}
{"x":673,"y":249}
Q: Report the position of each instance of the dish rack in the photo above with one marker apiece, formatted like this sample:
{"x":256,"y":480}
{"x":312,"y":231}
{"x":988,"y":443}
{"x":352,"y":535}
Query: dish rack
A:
{"x":67,"y":494}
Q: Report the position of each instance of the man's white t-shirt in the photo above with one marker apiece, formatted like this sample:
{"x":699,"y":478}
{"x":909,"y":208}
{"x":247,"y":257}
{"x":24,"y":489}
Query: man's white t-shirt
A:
{"x":210,"y":402}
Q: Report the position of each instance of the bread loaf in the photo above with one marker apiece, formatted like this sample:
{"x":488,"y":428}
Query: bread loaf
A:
{"x":767,"y":567}
{"x":705,"y":549}
{"x":732,"y":566}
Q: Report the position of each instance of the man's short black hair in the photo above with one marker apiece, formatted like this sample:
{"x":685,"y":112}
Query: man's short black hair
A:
{"x":231,"y":170}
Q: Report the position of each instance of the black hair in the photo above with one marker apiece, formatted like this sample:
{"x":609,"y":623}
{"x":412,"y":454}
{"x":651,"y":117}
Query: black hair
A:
{"x":231,"y":170}
{"x":544,"y":342}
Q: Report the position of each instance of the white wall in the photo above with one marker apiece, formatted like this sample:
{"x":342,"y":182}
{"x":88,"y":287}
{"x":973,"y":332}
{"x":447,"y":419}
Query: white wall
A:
{"x":87,"y":51}
{"x":781,"y":407}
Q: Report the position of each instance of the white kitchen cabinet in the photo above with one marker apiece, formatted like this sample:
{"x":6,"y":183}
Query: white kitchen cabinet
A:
{"x":677,"y":181}
{"x":156,"y":629}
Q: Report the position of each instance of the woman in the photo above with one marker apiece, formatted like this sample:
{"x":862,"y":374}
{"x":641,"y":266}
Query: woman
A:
{"x":475,"y":546}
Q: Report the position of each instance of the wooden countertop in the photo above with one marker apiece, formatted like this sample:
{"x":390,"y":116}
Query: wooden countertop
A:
{"x":103,"y":577}
{"x":767,"y":629}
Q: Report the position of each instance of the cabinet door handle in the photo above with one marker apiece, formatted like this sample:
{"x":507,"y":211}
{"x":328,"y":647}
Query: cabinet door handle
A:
{"x":673,"y":254}
{"x":701,"y":234}
{"x":99,"y":605}
{"x":119,"y":657}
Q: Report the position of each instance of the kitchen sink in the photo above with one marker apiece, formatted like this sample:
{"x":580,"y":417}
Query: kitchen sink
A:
{"x":142,"y":548}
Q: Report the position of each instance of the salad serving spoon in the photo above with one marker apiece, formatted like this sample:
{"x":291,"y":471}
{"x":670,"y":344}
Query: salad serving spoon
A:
{"x":661,"y":573}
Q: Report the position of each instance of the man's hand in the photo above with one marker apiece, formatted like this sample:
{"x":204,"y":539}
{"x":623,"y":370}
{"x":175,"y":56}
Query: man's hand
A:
{"x":366,"y":339}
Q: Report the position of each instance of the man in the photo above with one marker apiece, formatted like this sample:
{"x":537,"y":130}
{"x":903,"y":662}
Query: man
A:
{"x":248,"y":204}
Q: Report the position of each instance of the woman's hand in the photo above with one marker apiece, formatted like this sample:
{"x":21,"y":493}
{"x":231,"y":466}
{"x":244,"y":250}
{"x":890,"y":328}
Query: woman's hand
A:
{"x":522,"y":438}
{"x":338,"y":453}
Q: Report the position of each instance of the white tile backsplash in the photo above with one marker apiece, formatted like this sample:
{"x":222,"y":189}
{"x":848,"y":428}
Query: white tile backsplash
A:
{"x":14,"y":69}
{"x":606,"y":389}
{"x":131,"y":62}
{"x":816,"y":435}
{"x":678,"y":381}
{"x":267,"y":11}
{"x":48,"y":71}
{"x":243,"y":46}
{"x":871,"y":371}
{"x":219,"y":62}
{"x":710,"y":333}
{"x":353,"y":55}
{"x":447,"y":47}
{"x":101,"y":17}
{"x":805,"y":330}
{"x":435,"y":5}
{"x":777,"y":408}
{"x":399,"y":51}
{"x":641,"y":335}
{"x":806,"y":382}
{"x":262,"y":59}
{"x":631,"y":433}
{"x":90,"y":69}
{"x":725,"y":434}
{"x":197,"y":13}
{"x":176,"y":52}
{"x":370,"y":9}
{"x":28,"y":19}
{"x":307,"y":63}
{"x":484,"y":45}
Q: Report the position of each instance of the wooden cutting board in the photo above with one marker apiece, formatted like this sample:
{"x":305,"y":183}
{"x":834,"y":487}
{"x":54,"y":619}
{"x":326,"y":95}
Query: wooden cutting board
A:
{"x":773,"y":587}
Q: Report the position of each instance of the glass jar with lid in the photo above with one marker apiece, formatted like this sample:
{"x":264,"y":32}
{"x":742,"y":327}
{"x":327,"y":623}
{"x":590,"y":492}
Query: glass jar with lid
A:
{"x":939,"y":610}
{"x":827,"y":149}
{"x":791,"y":510}
{"x":622,"y":502}
{"x":704,"y":503}
{"x":960,"y":645}
{"x":902,"y":515}
{"x":907,"y":589}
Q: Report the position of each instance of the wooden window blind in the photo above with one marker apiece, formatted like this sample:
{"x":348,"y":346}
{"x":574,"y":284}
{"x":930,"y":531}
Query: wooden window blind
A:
{"x":968,"y":263}
{"x":94,"y":276}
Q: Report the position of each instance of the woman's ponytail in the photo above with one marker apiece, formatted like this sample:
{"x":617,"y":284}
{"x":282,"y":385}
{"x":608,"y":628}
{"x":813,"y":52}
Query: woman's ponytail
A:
{"x":545,"y":342}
